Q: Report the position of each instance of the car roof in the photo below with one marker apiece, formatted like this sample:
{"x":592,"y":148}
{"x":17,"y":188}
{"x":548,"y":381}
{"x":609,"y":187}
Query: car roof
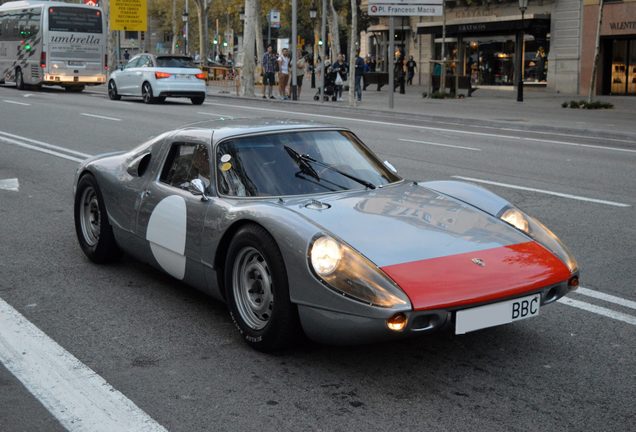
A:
{"x":224,"y":128}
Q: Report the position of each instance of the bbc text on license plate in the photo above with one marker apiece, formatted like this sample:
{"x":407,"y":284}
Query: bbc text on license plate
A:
{"x":494,"y":314}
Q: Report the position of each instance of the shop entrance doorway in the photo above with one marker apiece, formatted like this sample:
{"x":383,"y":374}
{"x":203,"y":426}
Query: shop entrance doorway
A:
{"x":621,"y":76}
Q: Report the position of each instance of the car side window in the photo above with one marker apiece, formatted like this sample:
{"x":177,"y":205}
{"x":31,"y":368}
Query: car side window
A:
{"x":186,"y":162}
{"x":145,"y":62}
{"x":133,"y":63}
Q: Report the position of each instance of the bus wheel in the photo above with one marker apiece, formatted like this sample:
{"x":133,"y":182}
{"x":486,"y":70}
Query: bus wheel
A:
{"x":19,"y":79}
{"x":74,"y":89}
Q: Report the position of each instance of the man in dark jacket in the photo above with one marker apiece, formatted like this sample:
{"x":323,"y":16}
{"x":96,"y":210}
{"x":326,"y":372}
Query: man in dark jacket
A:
{"x":359,"y":65}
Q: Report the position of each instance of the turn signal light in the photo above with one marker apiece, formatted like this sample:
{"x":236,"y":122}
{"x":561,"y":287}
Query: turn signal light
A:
{"x":162,"y":75}
{"x":200,"y":75}
{"x":397,"y":322}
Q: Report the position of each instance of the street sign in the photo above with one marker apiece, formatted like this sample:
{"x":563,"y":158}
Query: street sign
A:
{"x":274,"y":19}
{"x":409,"y":2}
{"x":130,"y":15}
{"x":390,"y":9}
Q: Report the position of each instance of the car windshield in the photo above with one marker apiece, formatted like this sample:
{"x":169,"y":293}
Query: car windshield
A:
{"x":175,"y":62}
{"x":263,"y":165}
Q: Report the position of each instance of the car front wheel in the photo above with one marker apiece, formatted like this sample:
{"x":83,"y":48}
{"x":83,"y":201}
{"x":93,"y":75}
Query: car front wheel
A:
{"x":197,"y":100}
{"x":94,"y":232}
{"x":112,"y":91}
{"x":257,"y":291}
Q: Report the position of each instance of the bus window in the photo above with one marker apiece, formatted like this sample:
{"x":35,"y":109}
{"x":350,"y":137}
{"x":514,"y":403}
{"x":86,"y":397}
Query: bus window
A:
{"x":78,"y":20}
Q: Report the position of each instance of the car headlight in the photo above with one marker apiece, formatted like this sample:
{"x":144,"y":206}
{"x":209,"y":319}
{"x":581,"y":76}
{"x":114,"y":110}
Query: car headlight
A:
{"x":346,"y":271}
{"x":541,"y":234}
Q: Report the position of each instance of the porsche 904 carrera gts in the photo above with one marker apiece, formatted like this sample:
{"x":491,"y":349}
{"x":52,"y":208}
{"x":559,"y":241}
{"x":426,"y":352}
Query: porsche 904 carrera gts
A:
{"x":300,"y":228}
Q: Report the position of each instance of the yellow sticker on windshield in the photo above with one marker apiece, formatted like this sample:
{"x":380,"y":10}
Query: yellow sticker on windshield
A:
{"x":226,"y":166}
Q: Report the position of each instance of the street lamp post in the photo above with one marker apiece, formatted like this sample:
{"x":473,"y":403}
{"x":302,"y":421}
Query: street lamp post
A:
{"x":184,"y":17}
{"x":523,"y":5}
{"x":313,"y":12}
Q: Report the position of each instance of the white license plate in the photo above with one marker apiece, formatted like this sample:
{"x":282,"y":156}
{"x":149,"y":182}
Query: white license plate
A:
{"x":75,"y":63}
{"x":491,"y":315}
{"x":185,"y":76}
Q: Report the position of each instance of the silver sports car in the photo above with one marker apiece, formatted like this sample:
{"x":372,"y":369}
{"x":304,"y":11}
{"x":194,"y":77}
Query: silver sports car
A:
{"x":300,"y":228}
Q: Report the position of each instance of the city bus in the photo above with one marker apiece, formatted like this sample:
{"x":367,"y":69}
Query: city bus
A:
{"x":52,"y":43}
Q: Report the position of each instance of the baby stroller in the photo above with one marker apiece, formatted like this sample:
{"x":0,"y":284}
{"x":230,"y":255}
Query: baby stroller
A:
{"x":329,"y":86}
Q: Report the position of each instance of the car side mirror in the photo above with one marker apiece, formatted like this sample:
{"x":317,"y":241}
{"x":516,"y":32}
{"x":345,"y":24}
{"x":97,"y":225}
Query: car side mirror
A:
{"x":390,"y":166}
{"x":197,"y":187}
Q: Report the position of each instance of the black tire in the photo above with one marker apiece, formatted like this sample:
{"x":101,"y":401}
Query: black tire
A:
{"x":146,"y":93}
{"x":112,"y":91}
{"x":259,"y":302}
{"x":19,"y":79}
{"x":197,"y":100}
{"x":94,"y":232}
{"x":160,"y":99}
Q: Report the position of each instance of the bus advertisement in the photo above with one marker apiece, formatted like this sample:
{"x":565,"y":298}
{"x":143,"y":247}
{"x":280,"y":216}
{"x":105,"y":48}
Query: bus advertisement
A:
{"x":52,"y":43}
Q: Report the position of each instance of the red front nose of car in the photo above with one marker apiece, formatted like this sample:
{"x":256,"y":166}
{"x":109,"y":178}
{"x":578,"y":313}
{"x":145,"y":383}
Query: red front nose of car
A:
{"x":478,"y":277}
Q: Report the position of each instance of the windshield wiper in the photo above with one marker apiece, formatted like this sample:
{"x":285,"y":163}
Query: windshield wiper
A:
{"x":301,"y":161}
{"x":334,"y":169}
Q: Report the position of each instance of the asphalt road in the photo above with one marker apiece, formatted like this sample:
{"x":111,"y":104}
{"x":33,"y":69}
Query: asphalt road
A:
{"x":175,"y":354}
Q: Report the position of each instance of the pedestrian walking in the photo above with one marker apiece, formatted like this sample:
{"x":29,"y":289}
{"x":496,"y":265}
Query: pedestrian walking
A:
{"x":339,"y":68}
{"x":283,"y":73}
{"x":126,"y":55}
{"x":358,"y":73}
{"x":269,"y":73}
{"x":410,"y":70}
{"x":399,"y":74}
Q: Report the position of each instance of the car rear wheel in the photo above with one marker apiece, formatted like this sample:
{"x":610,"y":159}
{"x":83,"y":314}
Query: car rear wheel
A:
{"x":112,"y":91}
{"x":19,"y":79}
{"x":257,"y":291}
{"x":146,"y":93}
{"x":94,"y":232}
{"x":197,"y":100}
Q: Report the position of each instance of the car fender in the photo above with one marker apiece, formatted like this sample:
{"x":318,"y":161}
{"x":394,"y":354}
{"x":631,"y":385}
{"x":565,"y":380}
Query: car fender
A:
{"x":471,"y":194}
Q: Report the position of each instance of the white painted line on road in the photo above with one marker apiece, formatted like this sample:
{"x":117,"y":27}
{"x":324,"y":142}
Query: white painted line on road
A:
{"x":606,"y":297}
{"x":28,"y":95}
{"x":215,"y":114}
{"x":40,"y":149}
{"x":10,"y":184}
{"x":44,"y":144}
{"x":16,"y":102}
{"x":439,"y":144}
{"x":100,"y":117}
{"x":457,"y":131}
{"x":79,"y":398}
{"x":609,"y":313}
{"x":547,"y":192}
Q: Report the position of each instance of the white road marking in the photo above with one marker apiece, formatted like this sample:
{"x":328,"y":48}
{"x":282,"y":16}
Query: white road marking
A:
{"x":15,"y":102}
{"x":215,"y":114}
{"x":609,"y":313}
{"x":547,"y":192}
{"x":44,"y":144}
{"x":100,"y":117}
{"x":606,"y":297}
{"x":40,"y":149}
{"x":28,"y":95}
{"x":10,"y":184}
{"x":440,"y":145}
{"x":456,"y":131}
{"x":79,"y":398}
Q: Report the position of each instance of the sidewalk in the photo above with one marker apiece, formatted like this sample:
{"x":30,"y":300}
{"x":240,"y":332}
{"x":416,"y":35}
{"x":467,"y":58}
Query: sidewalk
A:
{"x":541,"y":108}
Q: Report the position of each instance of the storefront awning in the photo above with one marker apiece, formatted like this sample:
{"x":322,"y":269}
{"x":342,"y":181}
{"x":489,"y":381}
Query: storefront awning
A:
{"x":532,"y":23}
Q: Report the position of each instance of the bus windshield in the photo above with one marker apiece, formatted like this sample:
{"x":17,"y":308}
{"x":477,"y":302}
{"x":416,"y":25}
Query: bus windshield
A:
{"x":75,"y":19}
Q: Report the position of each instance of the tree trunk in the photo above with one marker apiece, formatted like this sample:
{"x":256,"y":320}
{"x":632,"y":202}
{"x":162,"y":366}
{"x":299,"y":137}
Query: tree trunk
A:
{"x":335,"y":33}
{"x":258,"y":30}
{"x":592,"y":89}
{"x":173,"y":46}
{"x":353,"y":42}
{"x":249,"y":41}
{"x":202,"y":9}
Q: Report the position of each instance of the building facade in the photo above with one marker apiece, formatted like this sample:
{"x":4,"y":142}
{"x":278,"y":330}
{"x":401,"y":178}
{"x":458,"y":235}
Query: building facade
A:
{"x":483,"y":39}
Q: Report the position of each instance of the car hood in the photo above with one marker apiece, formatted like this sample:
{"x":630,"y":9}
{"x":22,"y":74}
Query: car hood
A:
{"x":432,"y":245}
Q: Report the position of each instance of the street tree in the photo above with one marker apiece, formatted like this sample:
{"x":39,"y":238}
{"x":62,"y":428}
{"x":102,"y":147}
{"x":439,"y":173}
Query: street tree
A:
{"x":353,"y":45}
{"x":249,"y":42}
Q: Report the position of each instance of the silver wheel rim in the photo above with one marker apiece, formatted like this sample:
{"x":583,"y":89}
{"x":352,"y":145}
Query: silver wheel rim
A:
{"x":146,"y":93}
{"x":90,"y":216}
{"x":252,"y":287}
